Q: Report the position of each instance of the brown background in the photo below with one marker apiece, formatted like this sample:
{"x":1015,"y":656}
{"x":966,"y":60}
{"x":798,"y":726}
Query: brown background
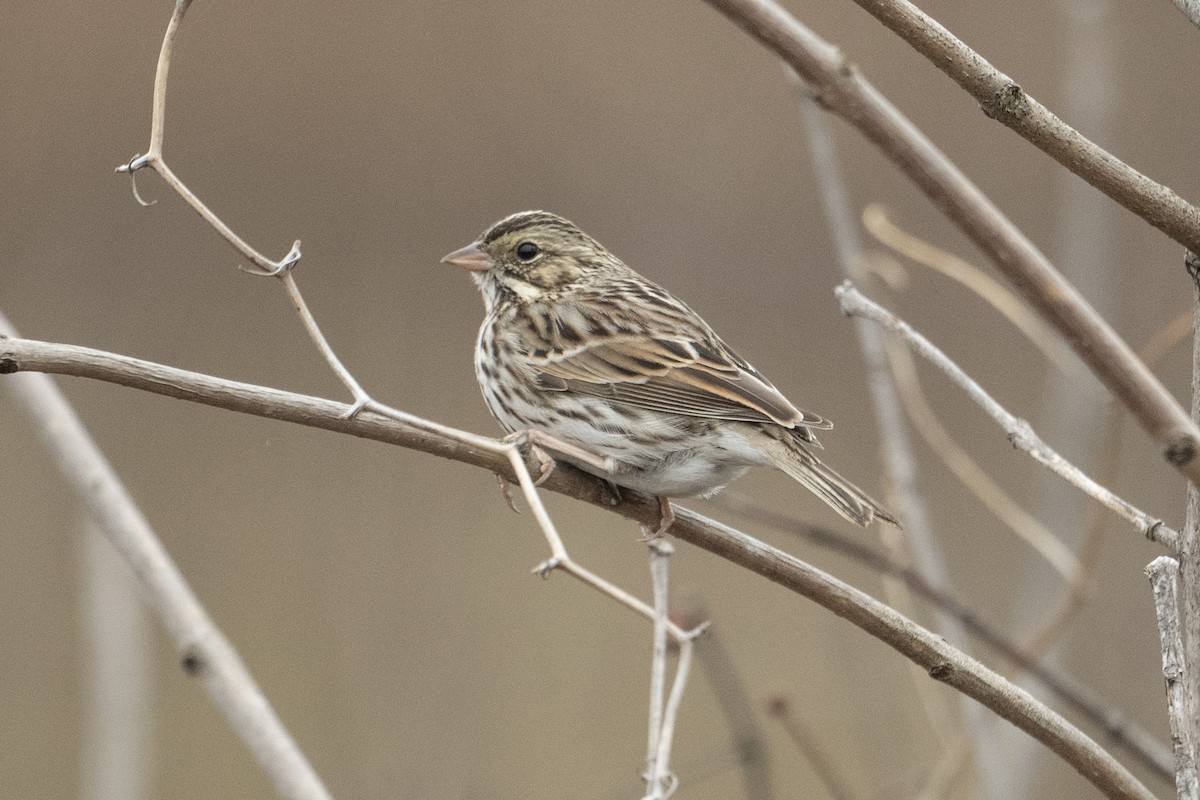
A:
{"x":382,"y":597}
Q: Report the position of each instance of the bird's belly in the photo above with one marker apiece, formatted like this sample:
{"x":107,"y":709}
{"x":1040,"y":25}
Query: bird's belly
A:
{"x":656,"y":453}
{"x":692,"y":475}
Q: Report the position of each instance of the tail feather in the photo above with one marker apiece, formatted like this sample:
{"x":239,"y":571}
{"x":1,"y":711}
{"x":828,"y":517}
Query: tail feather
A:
{"x":790,"y":455}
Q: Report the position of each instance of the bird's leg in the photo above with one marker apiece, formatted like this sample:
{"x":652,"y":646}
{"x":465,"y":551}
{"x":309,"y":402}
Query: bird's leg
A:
{"x":539,"y":442}
{"x":666,"y":516}
{"x":612,"y":494}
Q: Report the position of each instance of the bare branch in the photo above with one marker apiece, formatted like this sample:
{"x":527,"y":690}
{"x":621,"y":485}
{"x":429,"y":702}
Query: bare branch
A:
{"x":917,"y":537}
{"x":1116,"y":726}
{"x":1002,"y":99}
{"x":840,"y":88}
{"x":891,"y":235}
{"x":117,"y":761}
{"x":1189,"y":552}
{"x":203,"y":650}
{"x":809,"y":744}
{"x":971,"y":475}
{"x":940,"y":659}
{"x":724,"y":677}
{"x":1019,"y":431}
{"x":1162,"y":573}
{"x":1191,"y":8}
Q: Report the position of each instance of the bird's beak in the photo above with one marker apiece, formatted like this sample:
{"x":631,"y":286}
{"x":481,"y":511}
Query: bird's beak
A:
{"x":470,"y":258}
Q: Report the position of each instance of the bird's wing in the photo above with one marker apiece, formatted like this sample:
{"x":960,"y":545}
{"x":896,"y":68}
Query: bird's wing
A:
{"x":670,"y":362}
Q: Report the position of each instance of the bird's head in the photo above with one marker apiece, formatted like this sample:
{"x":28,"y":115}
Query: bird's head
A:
{"x":534,"y":256}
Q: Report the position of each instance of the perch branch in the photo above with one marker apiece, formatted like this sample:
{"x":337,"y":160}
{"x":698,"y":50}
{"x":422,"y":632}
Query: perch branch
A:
{"x":282,"y":269}
{"x":942,"y":661}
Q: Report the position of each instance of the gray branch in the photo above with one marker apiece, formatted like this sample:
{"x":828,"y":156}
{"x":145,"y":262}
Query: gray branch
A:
{"x":203,"y":650}
{"x":1020,"y":432}
{"x":1163,"y":572}
{"x":943,"y":662}
{"x":840,"y":88}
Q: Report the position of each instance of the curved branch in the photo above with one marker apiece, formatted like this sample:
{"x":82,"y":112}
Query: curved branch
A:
{"x":943,"y":662}
{"x":840,"y":88}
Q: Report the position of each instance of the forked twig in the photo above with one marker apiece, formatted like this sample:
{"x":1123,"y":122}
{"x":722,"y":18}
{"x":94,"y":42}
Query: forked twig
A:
{"x":1019,"y":431}
{"x":282,"y":269}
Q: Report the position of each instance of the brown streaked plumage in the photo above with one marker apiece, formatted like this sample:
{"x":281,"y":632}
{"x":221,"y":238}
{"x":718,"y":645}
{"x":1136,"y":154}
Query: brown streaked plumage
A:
{"x":579,"y":346}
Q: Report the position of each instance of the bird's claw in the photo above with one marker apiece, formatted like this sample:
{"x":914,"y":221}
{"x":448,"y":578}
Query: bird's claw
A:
{"x":530,"y":440}
{"x":666,"y":517}
{"x":544,"y":569}
{"x":506,"y":492}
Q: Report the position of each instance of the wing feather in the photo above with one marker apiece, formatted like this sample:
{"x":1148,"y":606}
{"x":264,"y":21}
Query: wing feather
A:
{"x":665,"y":362}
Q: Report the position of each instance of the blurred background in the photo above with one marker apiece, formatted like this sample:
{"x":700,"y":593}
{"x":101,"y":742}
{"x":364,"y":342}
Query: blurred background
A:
{"x":383,"y":598}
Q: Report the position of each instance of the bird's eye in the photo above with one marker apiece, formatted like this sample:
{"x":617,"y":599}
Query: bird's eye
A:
{"x":527,"y":251}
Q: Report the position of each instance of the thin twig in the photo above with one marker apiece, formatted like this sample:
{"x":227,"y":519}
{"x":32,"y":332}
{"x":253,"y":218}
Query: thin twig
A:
{"x":842,"y":89}
{"x":974,"y":477}
{"x":809,"y":745}
{"x":203,"y":650}
{"x":892,"y":236}
{"x":683,"y":669}
{"x":656,"y":772}
{"x":1163,"y":572}
{"x":724,"y":677}
{"x":1020,"y":433}
{"x":942,"y":660}
{"x":1152,"y":352}
{"x":917,"y":537}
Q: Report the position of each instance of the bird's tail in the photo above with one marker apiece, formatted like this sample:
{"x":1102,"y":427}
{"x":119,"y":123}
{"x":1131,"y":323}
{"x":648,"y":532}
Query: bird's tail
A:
{"x":783,"y":449}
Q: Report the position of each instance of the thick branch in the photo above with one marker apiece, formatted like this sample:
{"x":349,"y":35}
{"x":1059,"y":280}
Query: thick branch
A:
{"x":942,"y":661}
{"x":1003,"y":100}
{"x":841,"y":89}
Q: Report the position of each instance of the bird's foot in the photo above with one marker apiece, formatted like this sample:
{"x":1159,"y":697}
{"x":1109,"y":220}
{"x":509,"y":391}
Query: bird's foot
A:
{"x":537,"y":440}
{"x":666,"y":517}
